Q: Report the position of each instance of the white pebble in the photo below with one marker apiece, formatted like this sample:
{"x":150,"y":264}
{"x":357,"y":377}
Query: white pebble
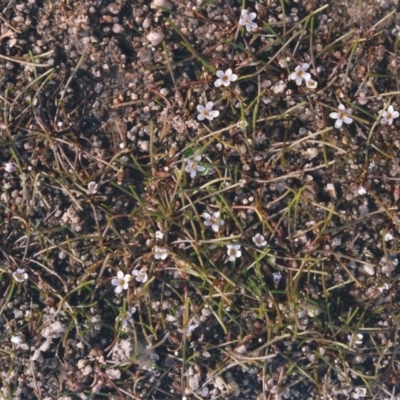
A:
{"x":369,"y":269}
{"x":87,"y":370}
{"x":162,"y":3}
{"x":155,"y":38}
{"x":117,"y":28}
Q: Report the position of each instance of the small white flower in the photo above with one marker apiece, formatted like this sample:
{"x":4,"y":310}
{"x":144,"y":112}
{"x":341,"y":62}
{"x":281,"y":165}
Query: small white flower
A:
{"x":121,"y":282}
{"x":311,"y":84}
{"x":355,"y":339}
{"x":388,"y":237}
{"x":300,"y":73}
{"x":277,"y":276}
{"x":247,"y":20}
{"x":141,"y":276}
{"x":259,"y":240}
{"x":192,"y":166}
{"x":92,"y":187}
{"x":20,"y":275}
{"x":242,"y":124}
{"x":389,"y":116}
{"x":233,"y":252}
{"x":213,"y":220}
{"x":341,"y":116}
{"x":225,"y":78}
{"x":359,"y":392}
{"x":159,"y":235}
{"x":361,"y":190}
{"x":160,"y":253}
{"x":10,"y":167}
{"x":17,"y":341}
{"x":127,"y":317}
{"x":207,"y":112}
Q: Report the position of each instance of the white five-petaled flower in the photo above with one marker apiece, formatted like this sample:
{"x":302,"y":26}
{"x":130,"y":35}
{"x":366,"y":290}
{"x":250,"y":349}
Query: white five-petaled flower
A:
{"x":233,"y":251}
{"x":92,"y":187}
{"x":311,"y":84}
{"x":259,"y":240}
{"x":213,"y":220}
{"x":160,"y":253}
{"x":140,"y":276}
{"x":10,"y":167}
{"x":247,"y":20}
{"x":355,"y":339}
{"x":388,"y":237}
{"x":300,"y":73}
{"x":341,"y":116}
{"x":242,"y":124}
{"x":20,"y":275}
{"x":207,"y":112}
{"x":359,"y":392}
{"x":192,"y":166}
{"x":389,"y":116}
{"x":225,"y":78}
{"x":159,"y":235}
{"x":17,"y":340}
{"x":121,"y":282}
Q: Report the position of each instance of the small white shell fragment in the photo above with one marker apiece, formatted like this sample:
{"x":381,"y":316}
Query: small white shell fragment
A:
{"x":36,"y":355}
{"x":162,"y":3}
{"x":193,"y":382}
{"x":45,"y":345}
{"x":87,"y":370}
{"x":369,"y":269}
{"x":53,"y":330}
{"x":241,"y":349}
{"x":219,"y":383}
{"x":171,"y":318}
{"x":361,"y":190}
{"x":330,"y":187}
{"x":146,"y":23}
{"x":279,"y":87}
{"x":388,"y":237}
{"x":155,"y":38}
{"x":312,"y":152}
{"x":113,"y":373}
{"x":144,"y":145}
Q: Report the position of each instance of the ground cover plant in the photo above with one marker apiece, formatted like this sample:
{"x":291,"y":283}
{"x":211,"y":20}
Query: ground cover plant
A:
{"x":199,"y":200}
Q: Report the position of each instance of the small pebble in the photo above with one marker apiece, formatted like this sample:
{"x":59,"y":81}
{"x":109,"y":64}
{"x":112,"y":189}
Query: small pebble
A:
{"x":162,"y":4}
{"x":113,"y":8}
{"x":155,"y":38}
{"x":117,"y":28}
